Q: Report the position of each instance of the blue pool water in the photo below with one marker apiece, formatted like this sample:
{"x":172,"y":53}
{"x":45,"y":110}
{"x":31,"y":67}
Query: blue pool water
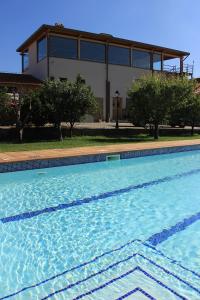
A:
{"x":110,"y":230}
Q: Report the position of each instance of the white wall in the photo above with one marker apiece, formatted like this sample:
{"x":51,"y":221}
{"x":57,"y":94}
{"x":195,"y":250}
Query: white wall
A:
{"x":93,"y":73}
{"x":37,"y":69}
{"x":121,"y":78}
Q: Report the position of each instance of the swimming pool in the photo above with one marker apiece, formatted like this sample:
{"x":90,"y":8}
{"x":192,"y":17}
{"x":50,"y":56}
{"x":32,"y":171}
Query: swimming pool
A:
{"x":127,"y":229}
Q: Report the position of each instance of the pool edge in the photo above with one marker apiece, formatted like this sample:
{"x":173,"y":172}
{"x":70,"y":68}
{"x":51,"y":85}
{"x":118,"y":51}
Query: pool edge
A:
{"x":40,"y":163}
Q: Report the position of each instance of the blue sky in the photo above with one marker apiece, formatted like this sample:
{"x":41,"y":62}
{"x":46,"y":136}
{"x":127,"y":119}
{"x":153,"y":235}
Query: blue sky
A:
{"x":171,"y":23}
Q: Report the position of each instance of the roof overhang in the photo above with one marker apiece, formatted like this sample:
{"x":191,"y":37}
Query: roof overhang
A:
{"x":48,"y":29}
{"x":18,"y":79}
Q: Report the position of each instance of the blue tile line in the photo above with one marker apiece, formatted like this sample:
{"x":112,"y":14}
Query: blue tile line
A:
{"x":138,"y":289}
{"x":89,"y":277}
{"x":162,"y":236}
{"x":169,"y":273}
{"x":124,"y":275}
{"x":31,"y":214}
{"x":70,"y":270}
{"x":116,"y":264}
{"x":100,"y":256}
{"x":173,"y":261}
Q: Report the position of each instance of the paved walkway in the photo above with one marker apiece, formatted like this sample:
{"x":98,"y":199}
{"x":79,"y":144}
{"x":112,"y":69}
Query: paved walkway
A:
{"x":72,"y":152}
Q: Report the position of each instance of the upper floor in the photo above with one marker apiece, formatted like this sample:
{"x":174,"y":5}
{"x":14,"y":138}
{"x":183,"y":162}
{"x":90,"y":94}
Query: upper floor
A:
{"x":63,"y":43}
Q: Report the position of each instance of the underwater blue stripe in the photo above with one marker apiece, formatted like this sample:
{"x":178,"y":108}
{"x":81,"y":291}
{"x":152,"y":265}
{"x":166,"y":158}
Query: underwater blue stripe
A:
{"x":162,"y":236}
{"x":70,"y":270}
{"x":31,"y":214}
{"x":106,"y":253}
{"x":124,"y":275}
{"x":138,"y":289}
{"x":173,"y":261}
{"x":116,"y":264}
{"x":170,"y":273}
{"x":89,"y":277}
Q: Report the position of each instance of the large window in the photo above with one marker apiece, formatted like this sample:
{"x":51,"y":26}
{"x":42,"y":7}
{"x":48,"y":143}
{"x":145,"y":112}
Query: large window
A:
{"x":141,"y":59}
{"x":62,"y":47}
{"x":92,"y":51}
{"x":25,"y":60}
{"x":157,"y":62}
{"x":119,"y":55}
{"x":41,"y":49}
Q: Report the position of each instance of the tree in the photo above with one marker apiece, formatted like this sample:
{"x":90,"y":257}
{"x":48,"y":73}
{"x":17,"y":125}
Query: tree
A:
{"x":157,"y":98}
{"x":185,"y":106}
{"x":7,"y":114}
{"x":79,"y":101}
{"x":52,"y":96}
{"x":193,"y":112}
{"x":149,"y":101}
{"x":22,"y":105}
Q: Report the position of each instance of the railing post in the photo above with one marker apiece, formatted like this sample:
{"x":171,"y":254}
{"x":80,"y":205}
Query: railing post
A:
{"x":181,"y":65}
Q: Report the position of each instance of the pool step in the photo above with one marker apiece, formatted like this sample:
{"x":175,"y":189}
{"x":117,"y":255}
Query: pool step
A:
{"x":133,"y":271}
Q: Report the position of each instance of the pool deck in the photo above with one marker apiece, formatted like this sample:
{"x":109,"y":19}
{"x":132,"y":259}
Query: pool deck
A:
{"x":10,"y":157}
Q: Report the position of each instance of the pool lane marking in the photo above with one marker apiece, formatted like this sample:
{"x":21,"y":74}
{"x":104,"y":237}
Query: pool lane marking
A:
{"x":107,"y":253}
{"x":78,"y":202}
{"x":162,"y":236}
{"x":64,"y":289}
{"x":124,"y":275}
{"x":72,"y":269}
{"x":138,"y":289}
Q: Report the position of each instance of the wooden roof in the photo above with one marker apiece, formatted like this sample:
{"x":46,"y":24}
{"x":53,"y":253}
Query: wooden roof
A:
{"x":57,"y":29}
{"x":13,"y":78}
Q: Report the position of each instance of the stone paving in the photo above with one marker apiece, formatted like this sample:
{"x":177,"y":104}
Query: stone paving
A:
{"x":80,"y":151}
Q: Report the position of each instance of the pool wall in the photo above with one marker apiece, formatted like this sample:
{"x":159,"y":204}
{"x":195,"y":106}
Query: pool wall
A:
{"x":73,"y":160}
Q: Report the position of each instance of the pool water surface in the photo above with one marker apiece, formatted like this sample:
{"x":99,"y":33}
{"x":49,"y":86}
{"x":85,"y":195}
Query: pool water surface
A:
{"x":126,"y":229}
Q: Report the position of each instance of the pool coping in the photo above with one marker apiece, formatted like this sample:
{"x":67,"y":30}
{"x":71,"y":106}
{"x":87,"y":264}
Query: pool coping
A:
{"x":27,"y":160}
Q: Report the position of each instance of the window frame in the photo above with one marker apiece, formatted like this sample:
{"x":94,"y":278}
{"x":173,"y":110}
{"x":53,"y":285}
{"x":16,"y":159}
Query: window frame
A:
{"x":65,"y":38}
{"x":119,"y":64}
{"x":38,"y":41}
{"x":25,"y":53}
{"x":92,"y":42}
{"x":144,"y":51}
{"x":161,"y":61}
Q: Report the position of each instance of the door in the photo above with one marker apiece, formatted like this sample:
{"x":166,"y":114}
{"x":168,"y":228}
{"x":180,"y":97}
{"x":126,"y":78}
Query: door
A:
{"x":117,"y":104}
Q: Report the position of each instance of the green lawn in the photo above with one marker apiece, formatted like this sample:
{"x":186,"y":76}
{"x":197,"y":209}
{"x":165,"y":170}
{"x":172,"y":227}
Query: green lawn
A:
{"x":85,"y":141}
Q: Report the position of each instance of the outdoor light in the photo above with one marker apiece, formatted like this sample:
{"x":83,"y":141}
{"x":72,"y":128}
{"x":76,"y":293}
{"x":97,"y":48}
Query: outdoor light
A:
{"x":117,"y":115}
{"x":117,"y":94}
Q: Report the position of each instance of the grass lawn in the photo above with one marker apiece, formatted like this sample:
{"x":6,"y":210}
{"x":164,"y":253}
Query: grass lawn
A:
{"x":81,"y":141}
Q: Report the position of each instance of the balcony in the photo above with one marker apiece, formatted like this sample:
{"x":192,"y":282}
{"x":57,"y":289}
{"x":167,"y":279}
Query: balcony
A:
{"x":187,"y":69}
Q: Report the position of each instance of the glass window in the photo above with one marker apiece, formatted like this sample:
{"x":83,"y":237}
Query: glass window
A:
{"x":118,"y":55}
{"x":62,"y":47}
{"x":141,"y":59}
{"x":157,"y":61}
{"x":41,"y":49}
{"x":92,"y":51}
{"x":25,"y":60}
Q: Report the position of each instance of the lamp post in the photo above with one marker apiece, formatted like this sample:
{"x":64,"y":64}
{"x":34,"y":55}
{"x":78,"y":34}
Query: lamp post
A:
{"x":117,"y":114}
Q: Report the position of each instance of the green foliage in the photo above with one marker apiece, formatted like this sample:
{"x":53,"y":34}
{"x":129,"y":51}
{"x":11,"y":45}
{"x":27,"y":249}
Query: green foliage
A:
{"x":153,"y":99}
{"x":62,"y":101}
{"x":7,"y":113}
{"x":149,"y":100}
{"x":79,"y":101}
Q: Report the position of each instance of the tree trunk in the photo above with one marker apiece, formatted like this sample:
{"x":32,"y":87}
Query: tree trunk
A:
{"x":192,"y":129}
{"x":60,"y":132}
{"x":151,"y":130}
{"x":71,"y":129}
{"x":156,"y":131}
{"x":21,"y":131}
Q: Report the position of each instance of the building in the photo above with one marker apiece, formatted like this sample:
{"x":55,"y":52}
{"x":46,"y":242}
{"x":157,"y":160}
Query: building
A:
{"x":107,"y":63}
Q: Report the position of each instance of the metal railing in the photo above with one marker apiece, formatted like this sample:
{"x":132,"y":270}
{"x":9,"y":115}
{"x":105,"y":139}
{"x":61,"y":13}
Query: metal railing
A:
{"x":187,"y":69}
